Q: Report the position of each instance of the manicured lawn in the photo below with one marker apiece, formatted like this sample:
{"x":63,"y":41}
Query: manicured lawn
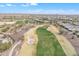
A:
{"x":48,"y":44}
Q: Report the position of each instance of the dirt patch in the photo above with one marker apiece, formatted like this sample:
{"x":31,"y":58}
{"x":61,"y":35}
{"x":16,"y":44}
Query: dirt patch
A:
{"x":30,"y":42}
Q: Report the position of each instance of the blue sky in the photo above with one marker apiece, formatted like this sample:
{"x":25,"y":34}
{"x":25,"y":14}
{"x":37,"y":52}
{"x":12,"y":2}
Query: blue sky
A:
{"x":40,"y":8}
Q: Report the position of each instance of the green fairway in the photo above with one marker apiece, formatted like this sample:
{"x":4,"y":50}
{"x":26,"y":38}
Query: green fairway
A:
{"x":48,"y":44}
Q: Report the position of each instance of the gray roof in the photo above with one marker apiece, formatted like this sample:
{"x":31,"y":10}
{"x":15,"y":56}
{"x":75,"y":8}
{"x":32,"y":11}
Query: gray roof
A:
{"x":70,"y":26}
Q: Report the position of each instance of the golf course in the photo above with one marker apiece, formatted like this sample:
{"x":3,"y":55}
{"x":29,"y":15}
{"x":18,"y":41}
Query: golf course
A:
{"x":44,"y":41}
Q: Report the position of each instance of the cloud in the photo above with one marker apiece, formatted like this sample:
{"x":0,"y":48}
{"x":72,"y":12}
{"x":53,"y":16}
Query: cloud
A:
{"x":24,"y":5}
{"x":29,"y":4}
{"x":1,"y":5}
{"x":35,"y":4}
{"x":9,"y":4}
